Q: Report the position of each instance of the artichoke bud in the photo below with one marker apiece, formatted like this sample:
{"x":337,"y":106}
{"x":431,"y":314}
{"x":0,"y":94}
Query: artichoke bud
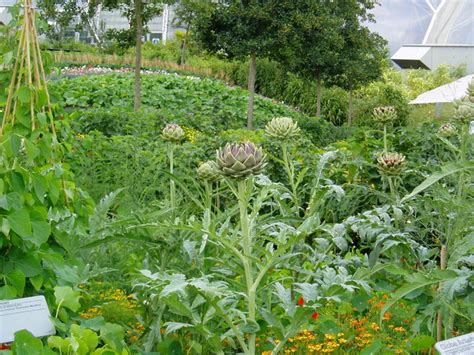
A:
{"x":282,"y":128}
{"x":239,"y":160}
{"x":208,"y":171}
{"x":464,"y":112}
{"x":447,"y":130}
{"x":391,"y":163}
{"x":385,"y":114}
{"x":173,"y":133}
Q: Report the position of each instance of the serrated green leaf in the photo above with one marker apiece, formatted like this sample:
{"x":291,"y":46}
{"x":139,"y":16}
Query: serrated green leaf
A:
{"x":446,"y":170}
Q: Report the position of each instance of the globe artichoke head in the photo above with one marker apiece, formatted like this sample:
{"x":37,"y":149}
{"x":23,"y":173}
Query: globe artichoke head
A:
{"x":282,"y":128}
{"x":385,"y":114}
{"x":391,"y":163}
{"x":240,"y":160}
{"x":173,"y":133}
{"x":209,"y":171}
{"x":464,"y":112}
{"x":447,"y":130}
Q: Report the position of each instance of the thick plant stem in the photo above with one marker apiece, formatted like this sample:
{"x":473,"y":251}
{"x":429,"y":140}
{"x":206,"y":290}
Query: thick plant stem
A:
{"x":462,"y":158}
{"x":209,"y":193}
{"x":172,"y":185}
{"x":393,"y":190}
{"x":290,"y":171}
{"x":243,"y":196}
{"x":439,"y":320}
{"x":385,"y":146}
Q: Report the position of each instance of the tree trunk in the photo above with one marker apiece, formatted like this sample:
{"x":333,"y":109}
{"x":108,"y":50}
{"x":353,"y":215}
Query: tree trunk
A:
{"x":318,"y":95}
{"x":349,"y":115}
{"x":183,"y":47}
{"x":251,"y":87}
{"x":94,"y":33}
{"x":138,"y":55}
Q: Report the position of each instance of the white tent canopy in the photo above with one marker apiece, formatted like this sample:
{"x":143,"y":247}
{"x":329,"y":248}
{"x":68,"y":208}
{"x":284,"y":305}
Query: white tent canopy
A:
{"x":445,"y":93}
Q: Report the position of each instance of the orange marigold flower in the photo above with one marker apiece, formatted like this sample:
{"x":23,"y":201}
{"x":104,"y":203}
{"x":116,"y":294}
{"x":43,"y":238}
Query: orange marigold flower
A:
{"x":387,"y":316}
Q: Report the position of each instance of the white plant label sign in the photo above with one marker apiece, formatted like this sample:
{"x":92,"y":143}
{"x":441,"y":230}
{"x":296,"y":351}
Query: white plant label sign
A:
{"x":463,"y":345}
{"x":29,"y":313}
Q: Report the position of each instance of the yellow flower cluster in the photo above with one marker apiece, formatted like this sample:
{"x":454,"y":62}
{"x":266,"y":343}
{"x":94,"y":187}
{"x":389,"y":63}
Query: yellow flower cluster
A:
{"x":190,"y":134}
{"x":358,"y":331}
{"x":118,"y":296}
{"x":91,"y":313}
{"x":307,"y":340}
{"x":135,"y":331}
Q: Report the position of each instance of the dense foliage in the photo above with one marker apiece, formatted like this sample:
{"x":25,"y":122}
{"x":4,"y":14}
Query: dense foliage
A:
{"x":353,"y":237}
{"x":172,"y":229}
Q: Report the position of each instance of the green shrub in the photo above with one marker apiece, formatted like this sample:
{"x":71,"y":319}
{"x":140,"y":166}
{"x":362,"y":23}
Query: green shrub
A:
{"x":380,"y":94}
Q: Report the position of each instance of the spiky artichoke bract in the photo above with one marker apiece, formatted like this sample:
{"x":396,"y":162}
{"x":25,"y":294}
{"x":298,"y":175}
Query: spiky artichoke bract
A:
{"x":447,"y":130}
{"x":209,"y":171}
{"x":240,"y":160}
{"x":391,"y":163}
{"x":173,"y":133}
{"x":385,"y":114}
{"x":283,"y":128}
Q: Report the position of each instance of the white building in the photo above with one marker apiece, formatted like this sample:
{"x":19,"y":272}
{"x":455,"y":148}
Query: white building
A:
{"x":428,"y":33}
{"x":159,"y":28}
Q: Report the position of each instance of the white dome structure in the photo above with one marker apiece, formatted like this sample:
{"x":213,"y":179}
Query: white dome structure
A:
{"x":427,"y":33}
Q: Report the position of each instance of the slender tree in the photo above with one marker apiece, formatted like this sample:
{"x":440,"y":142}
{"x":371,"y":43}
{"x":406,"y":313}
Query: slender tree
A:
{"x":242,"y":29}
{"x":365,"y":55}
{"x":138,"y":54}
{"x":313,"y":39}
{"x":60,"y":14}
{"x":187,"y":13}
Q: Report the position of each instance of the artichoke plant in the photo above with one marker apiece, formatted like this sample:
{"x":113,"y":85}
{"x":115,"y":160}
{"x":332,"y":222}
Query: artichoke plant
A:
{"x":447,"y":130}
{"x":282,"y":128}
{"x":385,"y":114}
{"x":173,"y":133}
{"x":208,"y":171}
{"x":391,"y":163}
{"x":470,"y":91}
{"x":240,"y":160}
{"x":464,"y":112}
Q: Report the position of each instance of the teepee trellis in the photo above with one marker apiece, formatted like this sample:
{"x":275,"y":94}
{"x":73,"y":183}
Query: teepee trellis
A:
{"x":28,"y":72}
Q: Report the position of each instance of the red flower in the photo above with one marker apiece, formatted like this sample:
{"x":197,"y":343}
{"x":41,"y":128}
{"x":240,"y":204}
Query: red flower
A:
{"x":301,"y":301}
{"x":315,"y":315}
{"x":4,"y":347}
